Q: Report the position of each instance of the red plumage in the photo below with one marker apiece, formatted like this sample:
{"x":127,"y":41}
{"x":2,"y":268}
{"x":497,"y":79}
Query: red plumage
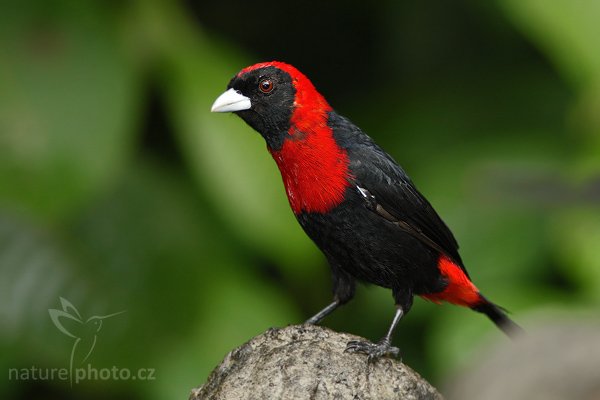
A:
{"x":459,"y":290}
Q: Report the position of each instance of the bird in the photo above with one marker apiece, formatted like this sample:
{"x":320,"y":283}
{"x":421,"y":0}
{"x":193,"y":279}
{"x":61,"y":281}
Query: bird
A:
{"x":354,"y":201}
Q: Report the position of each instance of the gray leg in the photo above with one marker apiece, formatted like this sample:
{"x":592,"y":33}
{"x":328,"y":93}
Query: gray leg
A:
{"x":318,"y":317}
{"x":343,"y":291}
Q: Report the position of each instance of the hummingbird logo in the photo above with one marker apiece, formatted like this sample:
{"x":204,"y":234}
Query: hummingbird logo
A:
{"x":85,"y":332}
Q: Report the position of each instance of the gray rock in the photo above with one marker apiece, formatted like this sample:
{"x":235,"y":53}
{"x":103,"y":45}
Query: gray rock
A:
{"x":308,"y":362}
{"x":557,"y":359}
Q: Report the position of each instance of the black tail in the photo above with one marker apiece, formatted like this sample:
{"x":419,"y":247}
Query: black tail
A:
{"x":498,"y":317}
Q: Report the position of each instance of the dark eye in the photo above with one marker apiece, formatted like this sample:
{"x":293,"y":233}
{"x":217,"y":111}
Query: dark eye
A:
{"x":265,"y":85}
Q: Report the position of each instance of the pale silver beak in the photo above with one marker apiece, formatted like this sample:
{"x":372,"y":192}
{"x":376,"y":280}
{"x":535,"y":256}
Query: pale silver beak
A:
{"x":230,"y":101}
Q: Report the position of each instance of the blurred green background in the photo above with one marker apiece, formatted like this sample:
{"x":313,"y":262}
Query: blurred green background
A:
{"x":120,"y":191}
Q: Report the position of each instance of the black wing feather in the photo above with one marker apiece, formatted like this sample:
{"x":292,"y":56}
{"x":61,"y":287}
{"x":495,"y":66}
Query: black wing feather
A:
{"x":378,"y":172}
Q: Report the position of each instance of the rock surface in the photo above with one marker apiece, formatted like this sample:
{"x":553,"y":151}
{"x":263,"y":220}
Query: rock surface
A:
{"x":308,"y":362}
{"x":557,"y":359}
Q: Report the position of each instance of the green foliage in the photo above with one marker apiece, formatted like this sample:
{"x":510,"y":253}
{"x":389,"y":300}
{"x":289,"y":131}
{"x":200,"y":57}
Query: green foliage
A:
{"x":67,"y":105}
{"x":185,"y":226}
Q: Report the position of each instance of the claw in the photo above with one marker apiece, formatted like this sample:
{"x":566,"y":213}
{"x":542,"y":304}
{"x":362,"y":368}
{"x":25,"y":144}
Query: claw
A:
{"x":372,"y":350}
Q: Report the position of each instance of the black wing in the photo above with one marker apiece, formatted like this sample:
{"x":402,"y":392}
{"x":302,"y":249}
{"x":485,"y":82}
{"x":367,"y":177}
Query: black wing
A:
{"x":394,"y":197}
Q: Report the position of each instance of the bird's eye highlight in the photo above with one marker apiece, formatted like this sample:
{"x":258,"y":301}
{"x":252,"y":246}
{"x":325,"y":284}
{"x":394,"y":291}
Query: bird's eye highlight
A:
{"x":265,"y":85}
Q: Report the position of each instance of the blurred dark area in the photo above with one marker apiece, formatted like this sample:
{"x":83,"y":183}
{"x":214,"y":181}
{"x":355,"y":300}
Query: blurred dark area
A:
{"x":120,"y":191}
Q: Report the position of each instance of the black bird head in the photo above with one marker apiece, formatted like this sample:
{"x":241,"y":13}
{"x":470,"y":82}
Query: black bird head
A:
{"x":267,"y":96}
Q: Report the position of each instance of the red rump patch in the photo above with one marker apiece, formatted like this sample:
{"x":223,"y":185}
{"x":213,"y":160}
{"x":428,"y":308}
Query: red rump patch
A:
{"x":313,"y":167}
{"x":460,"y":290}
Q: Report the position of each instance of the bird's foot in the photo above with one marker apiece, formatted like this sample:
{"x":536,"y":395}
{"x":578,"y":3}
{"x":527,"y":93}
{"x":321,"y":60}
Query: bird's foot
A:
{"x":372,"y":350}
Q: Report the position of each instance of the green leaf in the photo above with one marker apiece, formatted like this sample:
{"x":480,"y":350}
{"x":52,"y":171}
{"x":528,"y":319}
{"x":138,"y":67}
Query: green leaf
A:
{"x":68,"y":99}
{"x":576,"y":235}
{"x":567,"y":29}
{"x":35,"y":272}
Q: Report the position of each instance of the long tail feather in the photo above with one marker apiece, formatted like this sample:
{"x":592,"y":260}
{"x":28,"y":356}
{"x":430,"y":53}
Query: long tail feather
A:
{"x":499,"y":317}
